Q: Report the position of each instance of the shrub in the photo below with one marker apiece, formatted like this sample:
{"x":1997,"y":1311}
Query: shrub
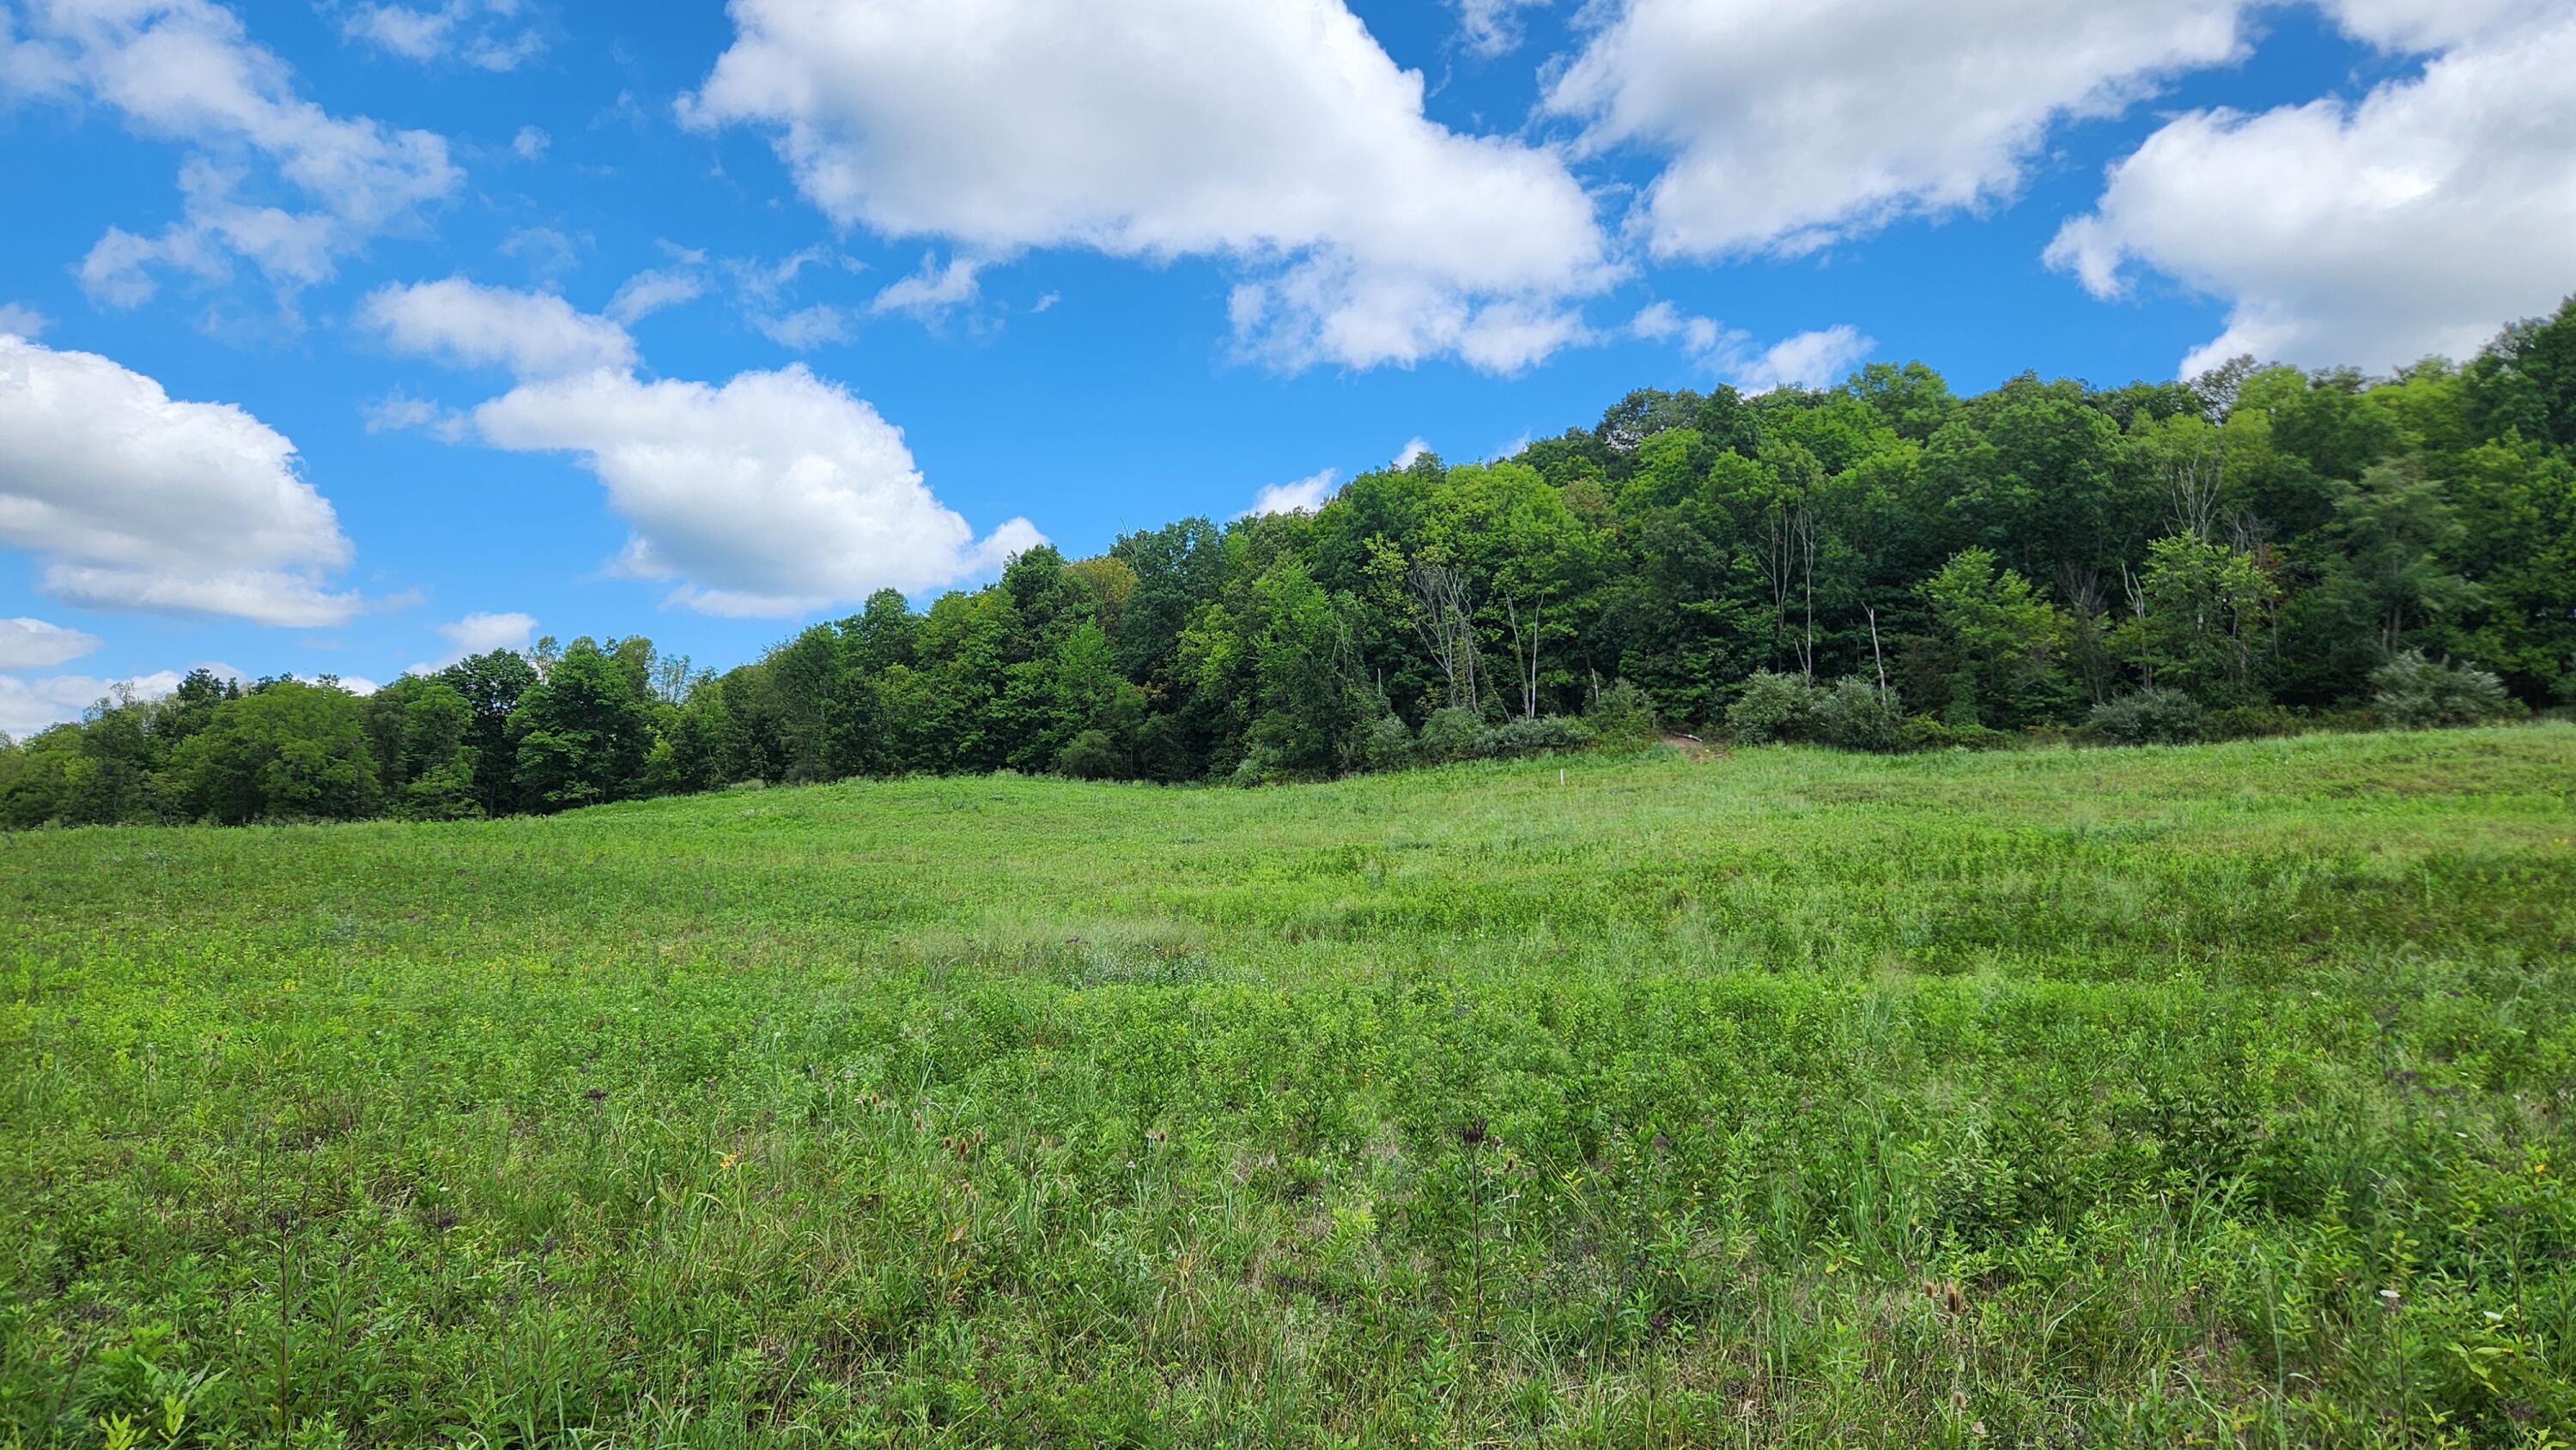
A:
{"x":1923,"y":732}
{"x":1091,"y":755}
{"x":2419,"y":693}
{"x":1772,"y":707}
{"x":1259,"y":766}
{"x":1456,"y":733}
{"x":1538,"y":737}
{"x":1621,"y":715}
{"x":1857,"y":715}
{"x":2151,"y":717}
{"x":1386,"y":744}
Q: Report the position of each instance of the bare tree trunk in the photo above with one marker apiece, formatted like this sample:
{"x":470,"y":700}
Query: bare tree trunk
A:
{"x":2192,"y":485}
{"x":1446,"y":624}
{"x":1875,"y":655}
{"x":2137,"y":594}
{"x":1807,"y":586}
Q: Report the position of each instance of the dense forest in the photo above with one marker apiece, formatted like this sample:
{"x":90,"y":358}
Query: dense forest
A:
{"x":1879,"y":565}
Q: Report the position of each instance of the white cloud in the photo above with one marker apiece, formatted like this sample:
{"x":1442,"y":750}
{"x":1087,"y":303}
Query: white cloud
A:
{"x":184,"y":70}
{"x":775,"y":493}
{"x":33,"y":644}
{"x":399,"y":412}
{"x":2415,"y":221}
{"x":1492,"y":27}
{"x":650,"y":291}
{"x":1046,"y":302}
{"x":531,"y":143}
{"x":479,"y":633}
{"x":134,"y":500}
{"x":806,"y":328}
{"x":1301,"y":497}
{"x":22,"y":320}
{"x":1814,"y":358}
{"x":1411,"y":452}
{"x":478,"y":34}
{"x":1277,"y":135}
{"x":533,"y":334}
{"x":27,"y":706}
{"x":1790,"y":126}
{"x":1663,"y":322}
{"x":928,"y":293}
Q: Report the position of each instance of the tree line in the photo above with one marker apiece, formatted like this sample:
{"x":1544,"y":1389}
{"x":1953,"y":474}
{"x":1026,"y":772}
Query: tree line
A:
{"x":1881,"y":565}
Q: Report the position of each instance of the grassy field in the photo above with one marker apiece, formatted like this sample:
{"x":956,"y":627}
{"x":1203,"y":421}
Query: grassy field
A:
{"x":2216,"y":1095}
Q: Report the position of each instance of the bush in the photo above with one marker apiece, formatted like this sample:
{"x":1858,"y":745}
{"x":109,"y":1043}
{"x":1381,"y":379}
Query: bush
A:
{"x":1857,"y":715}
{"x":1386,"y":744}
{"x":2421,"y":694}
{"x":1456,"y":733}
{"x":1091,"y":755}
{"x":1259,"y":766}
{"x":1773,"y":707}
{"x":2152,"y":717}
{"x":1537,"y":737}
{"x":1621,"y":715}
{"x":1923,"y":732}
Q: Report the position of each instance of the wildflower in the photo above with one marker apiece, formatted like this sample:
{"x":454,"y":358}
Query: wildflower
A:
{"x":1473,"y":1134}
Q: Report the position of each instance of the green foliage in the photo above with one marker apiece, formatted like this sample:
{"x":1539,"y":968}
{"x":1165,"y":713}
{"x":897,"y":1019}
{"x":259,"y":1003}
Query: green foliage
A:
{"x":1452,"y":733}
{"x":1996,"y":635}
{"x":582,"y":735}
{"x":1856,"y":714}
{"x":1791,"y":1098}
{"x":1622,"y":715}
{"x":2261,"y":539}
{"x":286,"y":751}
{"x":1773,"y":707}
{"x":2417,"y":693}
{"x":1544,"y":735}
{"x":2152,"y":717}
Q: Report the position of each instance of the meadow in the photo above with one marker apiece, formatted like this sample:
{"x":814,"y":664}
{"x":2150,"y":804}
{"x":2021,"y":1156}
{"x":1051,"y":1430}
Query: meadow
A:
{"x":2212,"y":1095}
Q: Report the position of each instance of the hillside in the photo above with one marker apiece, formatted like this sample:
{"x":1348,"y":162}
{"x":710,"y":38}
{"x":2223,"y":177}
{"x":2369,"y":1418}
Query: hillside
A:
{"x":2050,"y":1096}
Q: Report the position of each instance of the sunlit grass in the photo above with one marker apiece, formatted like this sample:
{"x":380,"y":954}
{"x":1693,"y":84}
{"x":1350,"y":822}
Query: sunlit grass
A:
{"x":2062,"y":1097}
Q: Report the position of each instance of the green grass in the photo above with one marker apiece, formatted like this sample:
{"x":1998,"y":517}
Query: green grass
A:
{"x":2048,"y":1098}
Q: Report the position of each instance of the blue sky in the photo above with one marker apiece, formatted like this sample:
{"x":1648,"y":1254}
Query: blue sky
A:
{"x":349,"y":335}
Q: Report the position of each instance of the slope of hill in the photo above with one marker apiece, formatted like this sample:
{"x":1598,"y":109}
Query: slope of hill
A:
{"x":2038,"y":1097}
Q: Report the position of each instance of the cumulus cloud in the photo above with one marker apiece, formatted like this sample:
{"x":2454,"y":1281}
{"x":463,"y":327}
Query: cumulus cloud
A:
{"x":1791,"y":126}
{"x":531,"y":143}
{"x":134,"y":500}
{"x":775,"y":493}
{"x":33,"y":644}
{"x":22,"y":320}
{"x":1410,"y":453}
{"x":532,"y":334}
{"x":1301,"y":497}
{"x":275,"y":180}
{"x":2414,"y":221}
{"x":1813,"y":358}
{"x":479,"y":633}
{"x":1289,"y":143}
